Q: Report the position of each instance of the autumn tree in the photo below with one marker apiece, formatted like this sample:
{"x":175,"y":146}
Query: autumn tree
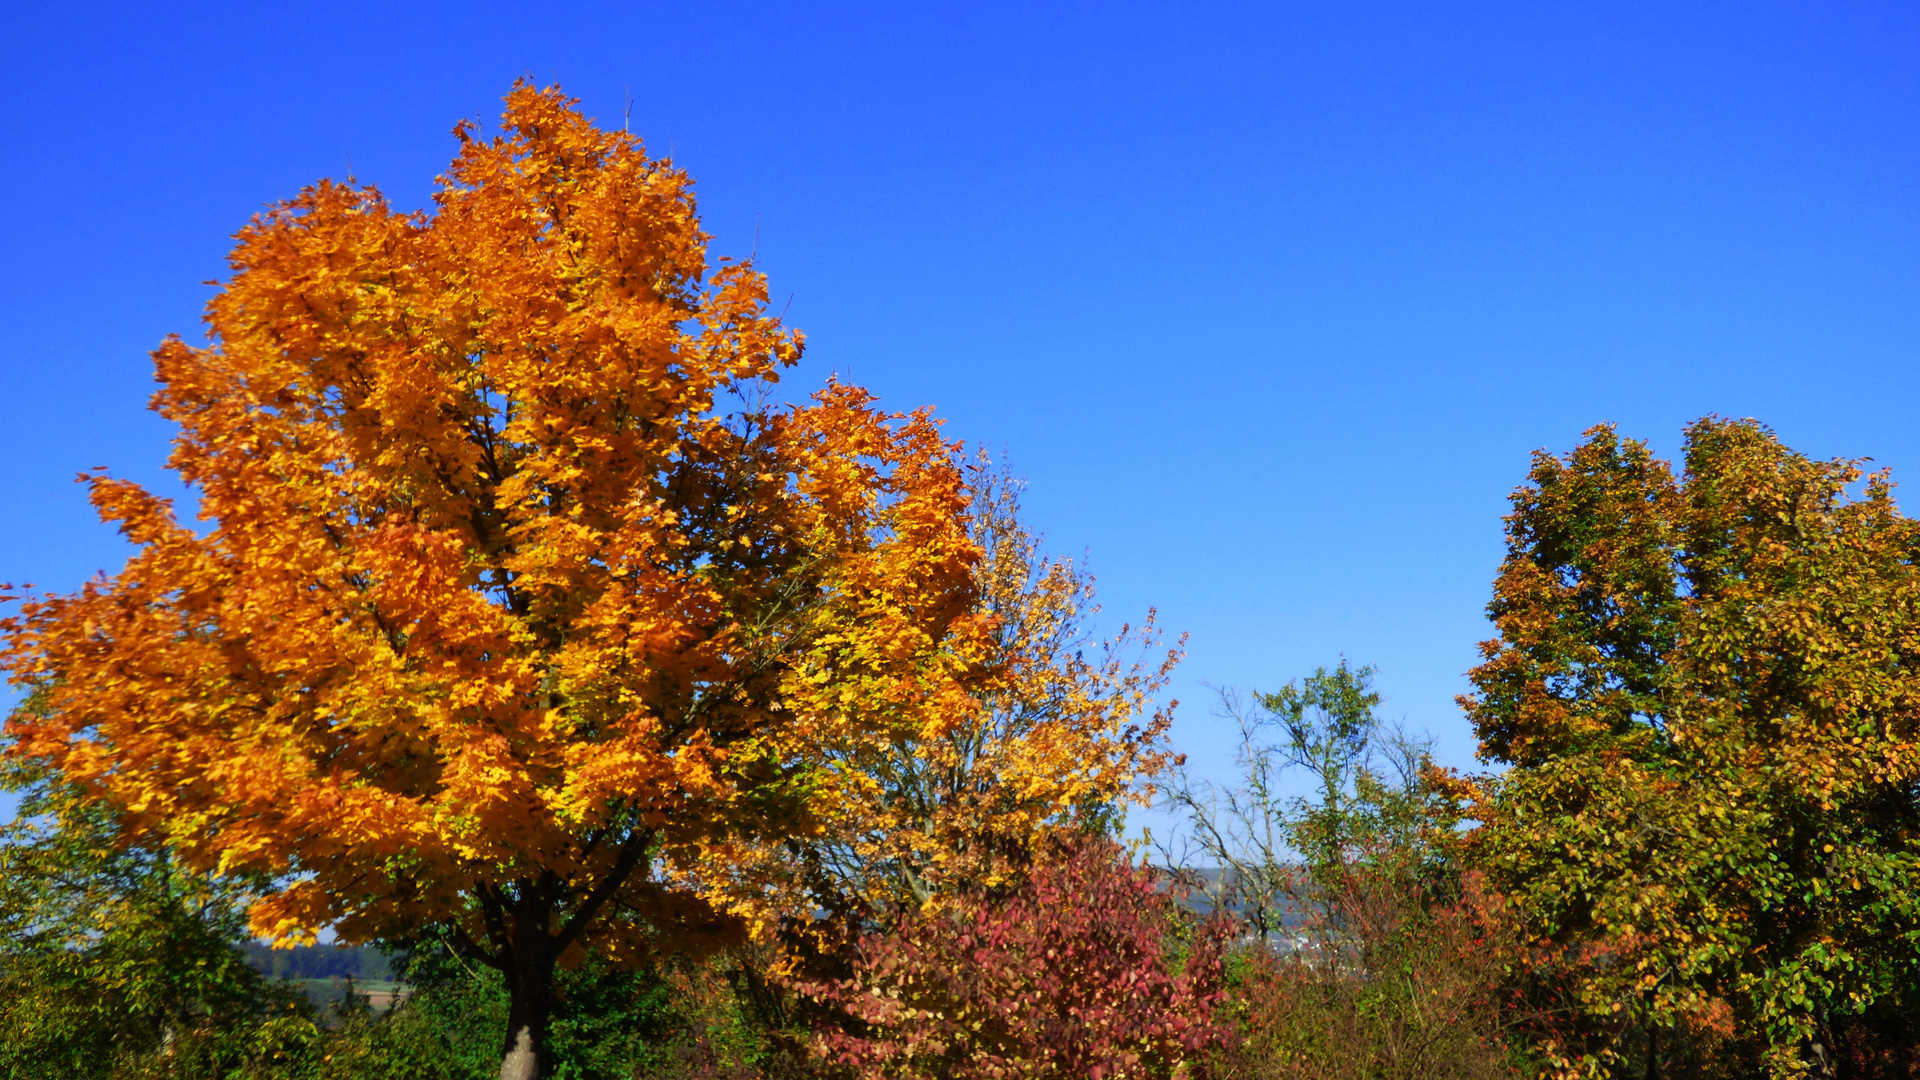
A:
{"x":1065,"y":732}
{"x":1707,"y":688}
{"x":515,"y":597}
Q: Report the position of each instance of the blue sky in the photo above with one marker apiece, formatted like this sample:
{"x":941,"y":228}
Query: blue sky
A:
{"x":1269,"y":302}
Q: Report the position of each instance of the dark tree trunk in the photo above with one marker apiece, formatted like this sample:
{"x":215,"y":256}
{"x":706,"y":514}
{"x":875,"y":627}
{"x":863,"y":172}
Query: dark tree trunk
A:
{"x":530,"y":997}
{"x":520,"y":925}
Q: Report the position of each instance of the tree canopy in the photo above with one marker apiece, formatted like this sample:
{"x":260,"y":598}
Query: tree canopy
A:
{"x":1706,"y":688}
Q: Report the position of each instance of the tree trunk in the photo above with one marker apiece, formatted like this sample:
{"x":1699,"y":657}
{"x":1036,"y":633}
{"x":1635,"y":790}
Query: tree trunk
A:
{"x":530,"y":1005}
{"x":529,"y":949}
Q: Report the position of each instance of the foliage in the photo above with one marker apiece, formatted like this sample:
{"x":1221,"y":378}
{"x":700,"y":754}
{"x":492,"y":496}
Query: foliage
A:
{"x":1060,"y":738}
{"x":1085,"y":967}
{"x":116,"y":962}
{"x":1706,"y":689}
{"x":517,"y":600}
{"x":607,"y":1023}
{"x":1389,"y":982}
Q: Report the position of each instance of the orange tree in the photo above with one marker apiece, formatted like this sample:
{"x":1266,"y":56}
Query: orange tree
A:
{"x":516,"y":601}
{"x":1708,"y":690}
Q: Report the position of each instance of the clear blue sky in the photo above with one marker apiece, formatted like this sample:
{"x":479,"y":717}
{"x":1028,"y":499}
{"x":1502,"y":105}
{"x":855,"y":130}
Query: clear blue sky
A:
{"x":1270,"y":302}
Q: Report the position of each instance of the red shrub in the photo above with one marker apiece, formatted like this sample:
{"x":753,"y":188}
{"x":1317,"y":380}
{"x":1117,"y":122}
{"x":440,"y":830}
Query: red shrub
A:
{"x":1088,"y":969}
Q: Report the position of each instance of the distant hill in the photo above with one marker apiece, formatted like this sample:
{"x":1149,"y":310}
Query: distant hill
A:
{"x":361,"y":963}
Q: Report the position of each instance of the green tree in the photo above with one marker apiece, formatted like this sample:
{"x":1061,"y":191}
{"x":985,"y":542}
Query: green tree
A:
{"x":116,"y":962}
{"x":682,"y":1017}
{"x":1706,"y":689}
{"x":1279,"y":853}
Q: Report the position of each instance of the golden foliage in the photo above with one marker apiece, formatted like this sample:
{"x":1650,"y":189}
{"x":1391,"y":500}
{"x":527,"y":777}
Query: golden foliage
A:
{"x":515,"y":600}
{"x":1062,"y":733}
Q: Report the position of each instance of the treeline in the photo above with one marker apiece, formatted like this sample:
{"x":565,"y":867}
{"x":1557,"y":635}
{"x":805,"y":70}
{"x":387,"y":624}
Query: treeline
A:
{"x":1079,"y":961}
{"x":359,"y":962}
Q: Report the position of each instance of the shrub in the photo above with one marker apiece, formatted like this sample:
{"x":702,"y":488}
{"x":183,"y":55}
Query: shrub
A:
{"x":1086,"y":968}
{"x":1382,"y":983}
